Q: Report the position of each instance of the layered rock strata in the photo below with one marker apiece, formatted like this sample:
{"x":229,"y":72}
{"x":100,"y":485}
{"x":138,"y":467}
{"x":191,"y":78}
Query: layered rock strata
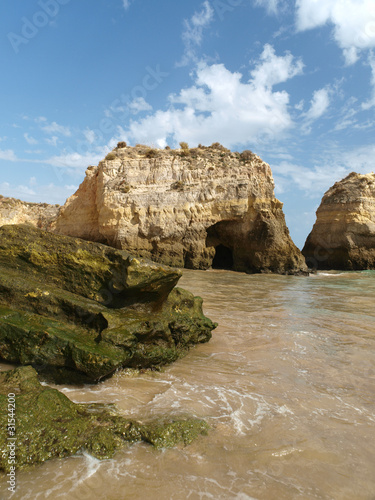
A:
{"x":343,"y":236}
{"x":41,"y":215}
{"x":49,"y":425}
{"x":191,"y":208}
{"x":81,"y":310}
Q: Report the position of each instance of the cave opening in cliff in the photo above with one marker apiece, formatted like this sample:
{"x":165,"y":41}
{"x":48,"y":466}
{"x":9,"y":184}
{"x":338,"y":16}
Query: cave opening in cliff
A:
{"x":223,"y":258}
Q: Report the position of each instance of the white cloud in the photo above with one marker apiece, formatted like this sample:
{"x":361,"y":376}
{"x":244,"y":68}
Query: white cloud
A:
{"x":371,"y":102}
{"x":300,"y":105}
{"x":274,"y":69}
{"x":139,"y":104}
{"x":89,"y":135}
{"x":39,"y":193}
{"x":34,"y":152}
{"x":289,"y":176}
{"x":353,"y":22}
{"x":126,"y":4}
{"x":319,"y":104}
{"x":220,"y":107}
{"x":270,"y":5}
{"x":55,"y":128}
{"x":53,"y":140}
{"x":333,"y":167}
{"x":15,"y":191}
{"x":75,"y":160}
{"x":193,"y":33}
{"x":29,"y":139}
{"x":71,"y":187}
{"x":25,"y":190}
{"x":8,"y":155}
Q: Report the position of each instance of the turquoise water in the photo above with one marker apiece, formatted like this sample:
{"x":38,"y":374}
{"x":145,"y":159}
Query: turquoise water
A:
{"x":287,"y":384}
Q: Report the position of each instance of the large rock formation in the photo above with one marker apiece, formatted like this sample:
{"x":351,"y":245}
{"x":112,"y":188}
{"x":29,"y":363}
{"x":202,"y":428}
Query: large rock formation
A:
{"x":41,"y":215}
{"x":48,"y":425}
{"x":81,"y":310}
{"x":186,"y":208}
{"x":343,"y":236}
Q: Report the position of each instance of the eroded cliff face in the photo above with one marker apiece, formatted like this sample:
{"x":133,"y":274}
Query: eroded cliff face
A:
{"x":186,"y":208}
{"x":41,"y":215}
{"x":343,"y":236}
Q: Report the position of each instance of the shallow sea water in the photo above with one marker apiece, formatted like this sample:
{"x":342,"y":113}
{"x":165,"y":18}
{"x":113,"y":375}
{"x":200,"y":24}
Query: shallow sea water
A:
{"x":287,"y":384}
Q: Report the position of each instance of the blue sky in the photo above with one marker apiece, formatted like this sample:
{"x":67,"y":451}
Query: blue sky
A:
{"x":294,"y":81}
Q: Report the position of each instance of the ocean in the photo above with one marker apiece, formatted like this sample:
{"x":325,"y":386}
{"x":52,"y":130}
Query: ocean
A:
{"x":287,"y":384}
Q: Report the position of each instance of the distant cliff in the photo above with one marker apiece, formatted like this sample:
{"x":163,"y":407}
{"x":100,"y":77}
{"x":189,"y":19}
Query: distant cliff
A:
{"x":343,"y":236}
{"x":41,"y":215}
{"x":186,"y":208}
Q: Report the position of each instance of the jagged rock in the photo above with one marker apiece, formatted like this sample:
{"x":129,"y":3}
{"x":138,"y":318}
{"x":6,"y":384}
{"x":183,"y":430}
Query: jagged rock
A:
{"x":76,"y":309}
{"x":41,"y":215}
{"x":186,"y":208}
{"x":49,"y":425}
{"x":343,"y":236}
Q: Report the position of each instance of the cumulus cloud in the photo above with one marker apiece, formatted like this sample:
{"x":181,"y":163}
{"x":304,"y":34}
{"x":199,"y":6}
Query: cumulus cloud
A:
{"x":8,"y":155}
{"x":333,"y":167}
{"x":35,"y":192}
{"x":15,"y":191}
{"x":74,"y":160}
{"x":55,"y":128}
{"x":371,"y":102}
{"x":138,"y":105}
{"x":89,"y":135}
{"x":193,"y":32}
{"x":273,"y":69}
{"x":29,"y":139}
{"x":318,"y":105}
{"x":219,"y":106}
{"x":353,"y":22}
{"x":270,"y":5}
{"x":126,"y":4}
{"x":52,"y":140}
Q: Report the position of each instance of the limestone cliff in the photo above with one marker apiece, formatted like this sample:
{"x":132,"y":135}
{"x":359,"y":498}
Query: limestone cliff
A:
{"x":41,"y":215}
{"x":186,"y":208}
{"x":343,"y":236}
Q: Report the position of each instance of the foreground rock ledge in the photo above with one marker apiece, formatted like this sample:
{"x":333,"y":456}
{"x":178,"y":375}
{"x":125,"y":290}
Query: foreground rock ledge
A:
{"x":78,"y":310}
{"x":192,"y":208}
{"x":343,"y":236}
{"x":49,"y":425}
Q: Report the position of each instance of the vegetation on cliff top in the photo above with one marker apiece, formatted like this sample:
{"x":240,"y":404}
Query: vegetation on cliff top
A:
{"x":184,"y":151}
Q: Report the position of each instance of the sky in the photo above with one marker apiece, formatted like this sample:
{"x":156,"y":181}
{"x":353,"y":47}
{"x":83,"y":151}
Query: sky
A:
{"x":293,"y":81}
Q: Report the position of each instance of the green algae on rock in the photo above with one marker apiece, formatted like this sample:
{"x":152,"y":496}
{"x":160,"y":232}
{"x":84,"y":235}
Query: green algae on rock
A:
{"x":49,"y":425}
{"x":79,"y":310}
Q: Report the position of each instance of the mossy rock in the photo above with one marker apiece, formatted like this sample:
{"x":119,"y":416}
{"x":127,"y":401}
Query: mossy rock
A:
{"x":166,"y":434}
{"x":78,"y":310}
{"x":50,"y":425}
